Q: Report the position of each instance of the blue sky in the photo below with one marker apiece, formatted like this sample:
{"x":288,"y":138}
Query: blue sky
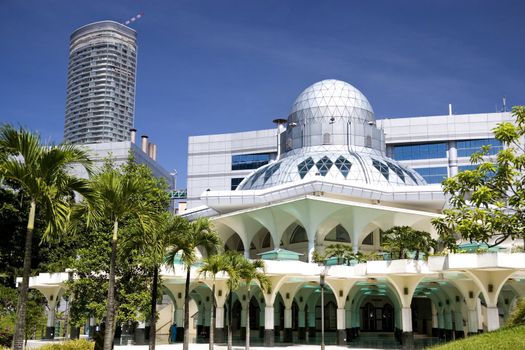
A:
{"x":225,"y":66}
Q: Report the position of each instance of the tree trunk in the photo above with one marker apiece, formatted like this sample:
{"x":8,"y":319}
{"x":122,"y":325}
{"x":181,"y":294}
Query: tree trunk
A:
{"x":417,"y":255}
{"x":110,"y":313}
{"x":20,"y":325}
{"x":230,"y":332}
{"x":185,"y":344}
{"x":213,"y":313}
{"x":153,"y":319}
{"x":248,"y":320}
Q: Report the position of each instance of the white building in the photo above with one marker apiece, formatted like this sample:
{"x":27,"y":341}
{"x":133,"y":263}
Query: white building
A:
{"x":323,"y":177}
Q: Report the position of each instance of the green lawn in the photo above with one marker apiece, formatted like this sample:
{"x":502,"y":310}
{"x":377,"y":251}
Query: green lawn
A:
{"x":511,"y":338}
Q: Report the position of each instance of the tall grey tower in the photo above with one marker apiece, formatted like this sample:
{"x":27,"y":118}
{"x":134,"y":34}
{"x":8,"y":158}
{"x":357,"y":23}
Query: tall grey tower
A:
{"x":100,"y":101}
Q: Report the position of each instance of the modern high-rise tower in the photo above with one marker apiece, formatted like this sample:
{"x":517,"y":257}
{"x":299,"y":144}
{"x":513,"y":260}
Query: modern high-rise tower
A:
{"x":101,"y":83}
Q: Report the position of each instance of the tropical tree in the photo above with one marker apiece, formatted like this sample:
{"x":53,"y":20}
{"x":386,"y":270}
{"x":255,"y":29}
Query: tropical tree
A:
{"x":198,"y":234}
{"x":42,"y":172}
{"x":487,"y":204}
{"x":236,"y":262}
{"x":253,"y":271}
{"x":344,"y":252}
{"x":153,"y":242}
{"x":405,"y":239}
{"x":211,"y":266}
{"x":116,"y":197}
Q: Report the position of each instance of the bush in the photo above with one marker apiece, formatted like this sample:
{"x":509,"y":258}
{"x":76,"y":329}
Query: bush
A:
{"x":517,"y":317}
{"x":81,"y":344}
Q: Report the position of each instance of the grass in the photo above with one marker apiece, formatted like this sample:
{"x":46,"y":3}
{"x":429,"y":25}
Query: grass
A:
{"x":508,"y":338}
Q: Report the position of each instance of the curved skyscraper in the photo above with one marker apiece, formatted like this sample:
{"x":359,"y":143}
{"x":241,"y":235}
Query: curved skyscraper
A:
{"x":101,"y":83}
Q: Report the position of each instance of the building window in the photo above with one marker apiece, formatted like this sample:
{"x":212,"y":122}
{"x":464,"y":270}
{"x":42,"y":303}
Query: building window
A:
{"x":338,"y":234}
{"x":324,"y":164}
{"x":299,"y":235}
{"x":250,"y":161}
{"x":396,"y":170}
{"x":343,"y":165}
{"x":467,"y":147}
{"x":420,"y":151}
{"x":382,"y":168}
{"x":305,"y":166}
{"x":433,"y":175}
{"x":266,"y":241}
{"x":369,"y":240}
{"x":235,"y":182}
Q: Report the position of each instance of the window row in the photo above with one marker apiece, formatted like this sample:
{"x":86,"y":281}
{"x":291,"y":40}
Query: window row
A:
{"x":250,"y":161}
{"x":465,"y":148}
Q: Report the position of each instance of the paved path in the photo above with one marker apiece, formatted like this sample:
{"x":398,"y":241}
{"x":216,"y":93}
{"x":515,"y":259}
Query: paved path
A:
{"x":35,"y":344}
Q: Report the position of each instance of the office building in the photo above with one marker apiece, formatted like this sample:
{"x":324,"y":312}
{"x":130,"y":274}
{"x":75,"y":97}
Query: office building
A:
{"x":100,"y":102}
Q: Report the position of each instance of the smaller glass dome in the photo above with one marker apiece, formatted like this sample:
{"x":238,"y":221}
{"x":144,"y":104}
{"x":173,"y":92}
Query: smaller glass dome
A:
{"x":358,"y":165}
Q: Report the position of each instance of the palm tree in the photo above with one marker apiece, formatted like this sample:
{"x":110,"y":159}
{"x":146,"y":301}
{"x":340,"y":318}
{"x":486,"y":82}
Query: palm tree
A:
{"x":236,"y":262}
{"x":253,"y":271}
{"x":199,"y":233}
{"x":42,"y":173}
{"x":212,"y":266}
{"x":116,"y":197}
{"x":154,"y":245}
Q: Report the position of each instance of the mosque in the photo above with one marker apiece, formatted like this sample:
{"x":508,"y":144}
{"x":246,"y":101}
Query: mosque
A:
{"x":331,"y":182}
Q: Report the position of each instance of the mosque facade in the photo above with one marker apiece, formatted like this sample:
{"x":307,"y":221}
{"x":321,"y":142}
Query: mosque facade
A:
{"x":330,"y":181}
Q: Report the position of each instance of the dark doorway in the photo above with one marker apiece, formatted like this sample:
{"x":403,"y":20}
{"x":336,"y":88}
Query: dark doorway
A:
{"x":255,"y":313}
{"x":377,"y":319}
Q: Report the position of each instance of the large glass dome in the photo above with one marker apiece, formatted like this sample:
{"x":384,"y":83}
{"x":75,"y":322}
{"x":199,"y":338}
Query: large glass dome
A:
{"x":331,"y":134}
{"x":337,"y":164}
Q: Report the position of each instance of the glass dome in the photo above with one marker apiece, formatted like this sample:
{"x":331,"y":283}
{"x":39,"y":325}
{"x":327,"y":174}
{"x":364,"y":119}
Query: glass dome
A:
{"x":338,"y":164}
{"x":331,"y":134}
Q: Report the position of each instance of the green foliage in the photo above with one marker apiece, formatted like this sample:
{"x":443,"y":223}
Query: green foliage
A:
{"x":344,"y":252}
{"x":517,"y":318}
{"x":401,"y":240}
{"x":80,"y":344}
{"x":487,"y":203}
{"x":503,"y":339}
{"x":138,"y":234}
{"x":35,"y":318}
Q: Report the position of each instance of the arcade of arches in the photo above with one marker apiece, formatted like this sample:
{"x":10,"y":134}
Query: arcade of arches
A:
{"x":444,"y":297}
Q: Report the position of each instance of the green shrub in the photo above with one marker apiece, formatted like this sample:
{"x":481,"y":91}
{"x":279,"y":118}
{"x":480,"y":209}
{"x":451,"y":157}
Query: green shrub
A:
{"x":81,"y":344}
{"x":517,"y":317}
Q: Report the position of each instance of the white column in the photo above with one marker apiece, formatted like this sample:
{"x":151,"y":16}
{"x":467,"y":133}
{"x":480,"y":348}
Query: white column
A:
{"x":302,"y":319}
{"x":492,"y":318}
{"x":219,"y":318}
{"x":311,"y":316}
{"x":441,"y":320}
{"x":244,"y":311}
{"x":435,"y":323}
{"x":207,"y":314}
{"x":287,"y":318}
{"x":268,"y":317}
{"x":51,"y":315}
{"x":341,"y":324}
{"x":247,"y":252}
{"x":311,"y":248}
{"x":179,"y":317}
{"x":406,"y":319}
{"x":473,"y":321}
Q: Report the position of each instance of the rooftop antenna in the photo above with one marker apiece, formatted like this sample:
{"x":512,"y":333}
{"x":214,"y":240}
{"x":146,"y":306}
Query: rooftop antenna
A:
{"x":134,"y":18}
{"x":504,"y":103}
